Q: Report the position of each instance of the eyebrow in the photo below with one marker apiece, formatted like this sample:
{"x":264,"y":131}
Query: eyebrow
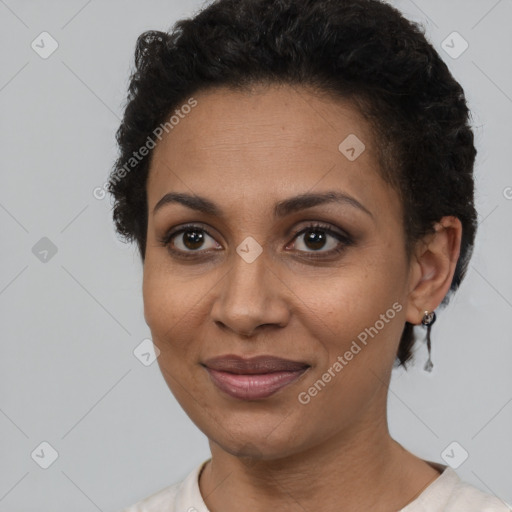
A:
{"x":281,"y":209}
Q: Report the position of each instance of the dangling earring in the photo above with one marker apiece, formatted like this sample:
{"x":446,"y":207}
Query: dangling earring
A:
{"x":428,"y":319}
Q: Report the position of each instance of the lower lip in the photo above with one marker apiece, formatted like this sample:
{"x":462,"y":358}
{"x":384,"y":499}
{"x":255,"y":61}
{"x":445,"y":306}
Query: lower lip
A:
{"x":253,"y":387}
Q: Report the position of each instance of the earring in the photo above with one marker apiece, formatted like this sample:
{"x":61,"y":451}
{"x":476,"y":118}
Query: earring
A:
{"x":428,"y":319}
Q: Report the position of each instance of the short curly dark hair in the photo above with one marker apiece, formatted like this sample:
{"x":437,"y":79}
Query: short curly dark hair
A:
{"x":361,"y":50}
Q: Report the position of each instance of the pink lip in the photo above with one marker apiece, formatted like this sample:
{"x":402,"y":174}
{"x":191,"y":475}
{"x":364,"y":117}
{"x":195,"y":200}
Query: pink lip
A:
{"x":253,"y":378}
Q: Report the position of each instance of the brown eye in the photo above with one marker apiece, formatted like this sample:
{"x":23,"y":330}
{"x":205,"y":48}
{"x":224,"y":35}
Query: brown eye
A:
{"x":189,"y":239}
{"x":317,"y":237}
{"x":193,"y":239}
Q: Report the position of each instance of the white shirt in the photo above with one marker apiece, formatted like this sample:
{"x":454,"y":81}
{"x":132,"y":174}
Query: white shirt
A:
{"x":445,"y":494}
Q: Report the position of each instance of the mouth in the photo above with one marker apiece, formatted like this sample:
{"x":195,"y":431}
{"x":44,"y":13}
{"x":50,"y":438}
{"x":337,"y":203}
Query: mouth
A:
{"x":253,"y":378}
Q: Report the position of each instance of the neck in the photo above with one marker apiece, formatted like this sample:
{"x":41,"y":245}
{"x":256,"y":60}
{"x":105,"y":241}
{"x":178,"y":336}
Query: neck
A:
{"x":364,"y":468}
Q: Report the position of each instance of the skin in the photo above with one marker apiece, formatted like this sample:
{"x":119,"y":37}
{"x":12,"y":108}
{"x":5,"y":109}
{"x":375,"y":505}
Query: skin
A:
{"x":245,"y":151}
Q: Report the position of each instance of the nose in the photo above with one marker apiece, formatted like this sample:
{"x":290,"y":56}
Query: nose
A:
{"x":252,"y":297}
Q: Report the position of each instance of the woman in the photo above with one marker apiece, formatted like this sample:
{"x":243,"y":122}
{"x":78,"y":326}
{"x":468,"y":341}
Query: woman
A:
{"x":297,"y":176}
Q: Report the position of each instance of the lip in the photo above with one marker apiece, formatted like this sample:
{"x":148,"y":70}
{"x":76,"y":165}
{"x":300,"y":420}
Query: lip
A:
{"x":253,"y":378}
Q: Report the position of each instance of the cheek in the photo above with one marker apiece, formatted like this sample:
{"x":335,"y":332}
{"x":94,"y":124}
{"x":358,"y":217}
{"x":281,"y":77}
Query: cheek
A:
{"x":354,"y":294}
{"x":167,"y":304}
{"x":361,"y":303}
{"x":168,"y":309}
{"x":168,"y":291}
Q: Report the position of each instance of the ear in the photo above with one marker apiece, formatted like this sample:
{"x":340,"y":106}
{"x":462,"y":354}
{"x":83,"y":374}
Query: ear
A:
{"x":432,"y":267}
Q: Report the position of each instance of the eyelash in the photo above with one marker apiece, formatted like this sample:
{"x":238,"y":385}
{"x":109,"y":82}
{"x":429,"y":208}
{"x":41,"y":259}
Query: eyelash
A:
{"x":345,"y":240}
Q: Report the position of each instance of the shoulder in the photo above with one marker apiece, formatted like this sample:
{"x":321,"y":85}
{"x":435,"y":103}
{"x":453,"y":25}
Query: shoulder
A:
{"x":448,"y":493}
{"x":467,"y":497}
{"x":161,"y":500}
{"x":175,"y":497}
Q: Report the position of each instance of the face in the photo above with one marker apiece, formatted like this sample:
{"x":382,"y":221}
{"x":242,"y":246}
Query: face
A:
{"x":320,"y":282}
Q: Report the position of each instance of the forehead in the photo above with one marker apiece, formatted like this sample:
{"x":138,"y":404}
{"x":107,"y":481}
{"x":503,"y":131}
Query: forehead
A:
{"x":266,"y":142}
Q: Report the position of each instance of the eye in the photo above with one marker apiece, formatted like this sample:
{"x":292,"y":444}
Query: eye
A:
{"x":192,"y":240}
{"x":189,"y":239}
{"x":319,"y":236}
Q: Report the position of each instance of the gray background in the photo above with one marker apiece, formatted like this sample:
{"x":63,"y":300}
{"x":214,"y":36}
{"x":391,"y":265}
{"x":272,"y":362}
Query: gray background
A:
{"x":70,"y":324}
